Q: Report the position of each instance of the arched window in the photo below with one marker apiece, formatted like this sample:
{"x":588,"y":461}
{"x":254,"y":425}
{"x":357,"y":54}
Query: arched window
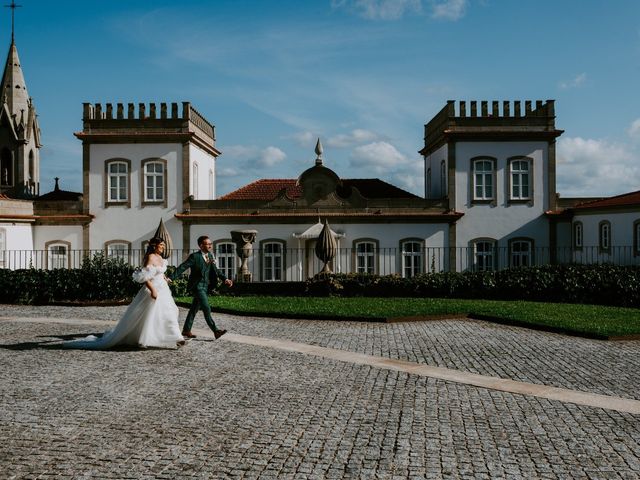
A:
{"x":272,"y":259}
{"x":117,"y":188}
{"x":194,"y":187}
{"x":58,"y":254}
{"x":3,"y":247}
{"x":636,"y":238}
{"x":429,"y":191}
{"x":578,"y":235}
{"x":120,"y":249}
{"x":443,"y":179}
{"x":484,"y":254}
{"x":604,"y":229}
{"x":154,"y":182}
{"x":521,"y":252}
{"x":212,"y":185}
{"x":32,"y":167}
{"x":6,"y":168}
{"x":483,"y":179}
{"x":520,"y":178}
{"x":226,"y":257}
{"x":365,"y":251}
{"x":412,"y":257}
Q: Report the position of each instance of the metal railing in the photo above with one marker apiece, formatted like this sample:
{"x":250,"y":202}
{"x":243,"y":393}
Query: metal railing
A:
{"x":294,"y":264}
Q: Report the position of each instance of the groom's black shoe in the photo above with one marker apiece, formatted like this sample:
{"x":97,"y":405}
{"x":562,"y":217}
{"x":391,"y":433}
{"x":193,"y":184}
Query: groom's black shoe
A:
{"x":188,"y":335}
{"x":219,"y":333}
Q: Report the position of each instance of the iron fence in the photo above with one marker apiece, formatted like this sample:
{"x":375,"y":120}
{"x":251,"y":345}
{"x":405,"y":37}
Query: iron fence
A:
{"x":297,"y":264}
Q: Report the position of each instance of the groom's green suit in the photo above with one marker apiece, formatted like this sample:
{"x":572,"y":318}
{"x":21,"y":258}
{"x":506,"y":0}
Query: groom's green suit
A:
{"x":202,"y":274}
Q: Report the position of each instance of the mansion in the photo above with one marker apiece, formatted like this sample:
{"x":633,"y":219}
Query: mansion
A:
{"x":490,"y":197}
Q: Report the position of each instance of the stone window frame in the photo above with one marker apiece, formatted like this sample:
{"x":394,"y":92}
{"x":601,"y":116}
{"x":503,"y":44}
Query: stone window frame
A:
{"x":194,"y":180}
{"x":143,"y":179}
{"x":604,"y":246}
{"x":3,"y":246}
{"x":234,"y":268}
{"x":422,"y":254}
{"x":283,"y":245}
{"x":574,"y":236}
{"x":494,"y":177}
{"x":107,"y":186}
{"x":473,"y":244}
{"x":532,"y":250}
{"x":375,"y":254}
{"x":12,"y":163}
{"x":509,"y":182}
{"x":212,"y":184}
{"x":429,"y":186}
{"x":636,"y":238}
{"x":54,"y":243}
{"x":443,"y":178}
{"x":118,"y":242}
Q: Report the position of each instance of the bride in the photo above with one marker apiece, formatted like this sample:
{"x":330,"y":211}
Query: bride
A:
{"x":151,"y":320}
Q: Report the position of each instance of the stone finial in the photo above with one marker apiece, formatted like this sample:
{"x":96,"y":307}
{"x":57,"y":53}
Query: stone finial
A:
{"x":57,"y":187}
{"x":318,"y":152}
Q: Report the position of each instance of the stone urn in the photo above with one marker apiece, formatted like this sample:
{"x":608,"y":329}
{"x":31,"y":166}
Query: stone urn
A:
{"x":326,"y":247}
{"x":244,"y":245}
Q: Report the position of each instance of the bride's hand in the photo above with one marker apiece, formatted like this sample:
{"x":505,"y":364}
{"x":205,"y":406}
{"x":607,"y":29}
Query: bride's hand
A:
{"x":154,"y":294}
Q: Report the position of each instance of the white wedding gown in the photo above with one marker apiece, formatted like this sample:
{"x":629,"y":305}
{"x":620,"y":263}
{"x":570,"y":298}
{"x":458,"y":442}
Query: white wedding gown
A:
{"x":146,"y":322}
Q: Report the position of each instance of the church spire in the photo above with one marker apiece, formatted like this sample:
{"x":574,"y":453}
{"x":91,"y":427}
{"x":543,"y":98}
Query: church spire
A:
{"x":14,"y":88}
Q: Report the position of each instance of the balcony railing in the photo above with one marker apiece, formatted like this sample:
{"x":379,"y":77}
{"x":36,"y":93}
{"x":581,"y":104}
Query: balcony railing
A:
{"x":293,"y":264}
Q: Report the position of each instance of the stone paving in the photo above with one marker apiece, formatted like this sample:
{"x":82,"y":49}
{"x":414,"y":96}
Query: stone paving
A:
{"x":220,"y":409}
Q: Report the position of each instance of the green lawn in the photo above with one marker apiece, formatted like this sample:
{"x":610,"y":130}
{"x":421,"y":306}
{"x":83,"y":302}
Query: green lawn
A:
{"x":591,"y":320}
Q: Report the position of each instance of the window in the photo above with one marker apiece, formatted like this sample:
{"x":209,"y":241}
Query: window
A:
{"x":636,"y":238}
{"x":520,"y":252}
{"x":117,"y":181}
{"x":58,"y":254}
{"x":483,"y":179}
{"x":411,"y":257}
{"x":212,"y":185}
{"x":577,"y":235}
{"x":365,"y":256}
{"x":225,"y":254}
{"x":272,"y":261}
{"x":484,"y":255}
{"x":154,"y":181}
{"x":520,"y":179}
{"x":605,"y":236}
{"x":32,"y":167}
{"x":195,"y":181}
{"x":443,"y":179}
{"x":6,"y":168}
{"x":429,"y":183}
{"x":3,"y":247}
{"x":118,"y":249}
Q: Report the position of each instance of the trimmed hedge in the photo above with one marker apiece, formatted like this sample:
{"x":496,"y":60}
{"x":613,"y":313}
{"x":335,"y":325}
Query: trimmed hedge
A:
{"x":103,"y":278}
{"x":596,"y":284}
{"x":99,"y":279}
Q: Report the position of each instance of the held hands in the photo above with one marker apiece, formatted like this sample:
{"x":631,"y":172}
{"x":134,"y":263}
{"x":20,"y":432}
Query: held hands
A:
{"x":228,"y":282}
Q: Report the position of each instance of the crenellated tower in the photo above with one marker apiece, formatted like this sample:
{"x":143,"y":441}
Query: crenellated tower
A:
{"x":19,"y":133}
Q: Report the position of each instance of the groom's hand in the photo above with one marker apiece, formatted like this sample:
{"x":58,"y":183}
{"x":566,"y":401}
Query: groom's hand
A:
{"x":228,"y":282}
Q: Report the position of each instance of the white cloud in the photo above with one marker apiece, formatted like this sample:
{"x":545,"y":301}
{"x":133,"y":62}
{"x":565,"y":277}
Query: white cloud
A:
{"x":250,"y":154}
{"x":634,"y":130}
{"x":305,"y":139}
{"x":227,"y":172}
{"x":380,"y":9}
{"x":378,"y":156}
{"x":596,"y":167}
{"x":576,"y":82}
{"x":271,"y":156}
{"x":354,"y":137}
{"x":449,"y":9}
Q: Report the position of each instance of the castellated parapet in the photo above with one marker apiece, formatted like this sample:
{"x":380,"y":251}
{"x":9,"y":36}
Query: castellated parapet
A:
{"x":138,"y":122}
{"x":484,"y":120}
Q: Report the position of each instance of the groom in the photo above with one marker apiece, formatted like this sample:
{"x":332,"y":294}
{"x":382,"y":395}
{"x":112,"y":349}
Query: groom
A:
{"x":203,"y":270}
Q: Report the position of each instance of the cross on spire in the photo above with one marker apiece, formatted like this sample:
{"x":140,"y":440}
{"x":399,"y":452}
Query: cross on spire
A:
{"x":13,"y":7}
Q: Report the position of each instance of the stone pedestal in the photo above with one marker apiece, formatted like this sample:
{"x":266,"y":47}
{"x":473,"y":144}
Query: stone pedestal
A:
{"x":244,"y":245}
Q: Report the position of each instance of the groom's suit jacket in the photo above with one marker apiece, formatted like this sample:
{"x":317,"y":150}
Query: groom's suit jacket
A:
{"x":202,"y":274}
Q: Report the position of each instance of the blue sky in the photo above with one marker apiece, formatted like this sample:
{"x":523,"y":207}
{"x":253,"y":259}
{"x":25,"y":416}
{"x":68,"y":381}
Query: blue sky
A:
{"x":363,"y":75}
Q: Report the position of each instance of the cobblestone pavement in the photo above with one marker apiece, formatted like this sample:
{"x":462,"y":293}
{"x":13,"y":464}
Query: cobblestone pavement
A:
{"x":217,"y":409}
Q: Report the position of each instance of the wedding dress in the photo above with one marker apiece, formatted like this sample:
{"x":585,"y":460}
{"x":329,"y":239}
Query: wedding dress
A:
{"x":146,"y":322}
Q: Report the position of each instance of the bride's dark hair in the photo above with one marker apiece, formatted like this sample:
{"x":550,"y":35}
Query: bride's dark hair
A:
{"x":151,"y":247}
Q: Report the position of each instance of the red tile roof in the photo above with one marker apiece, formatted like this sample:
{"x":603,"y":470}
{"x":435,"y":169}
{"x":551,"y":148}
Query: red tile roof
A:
{"x":268,"y":189}
{"x":624,"y":200}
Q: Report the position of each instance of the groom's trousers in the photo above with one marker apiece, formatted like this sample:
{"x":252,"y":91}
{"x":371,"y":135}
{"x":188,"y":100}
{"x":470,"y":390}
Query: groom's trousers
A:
{"x":200,"y":302}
